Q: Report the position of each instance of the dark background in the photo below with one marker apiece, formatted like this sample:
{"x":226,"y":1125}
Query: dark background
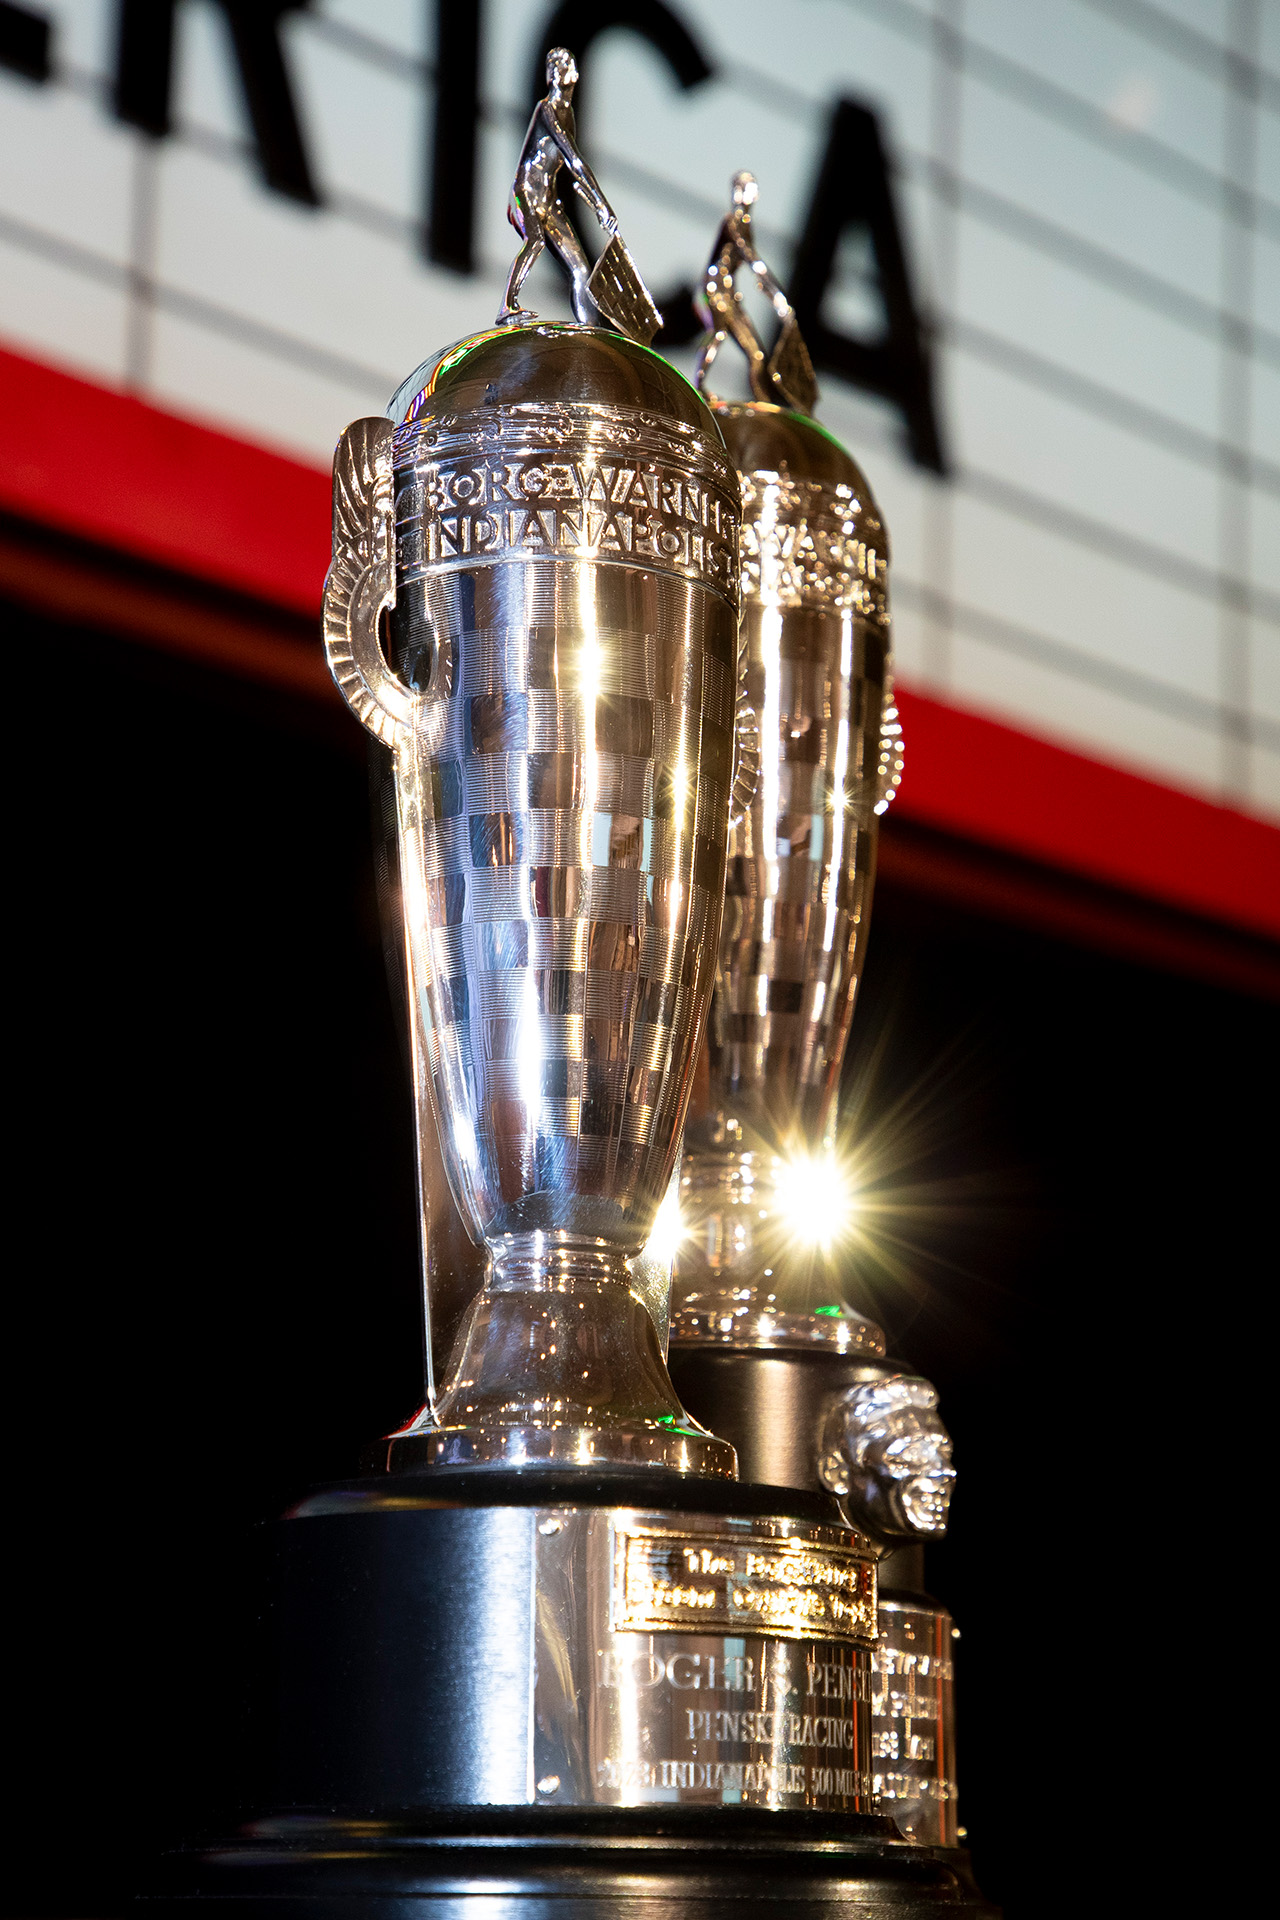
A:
{"x":213,"y":1283}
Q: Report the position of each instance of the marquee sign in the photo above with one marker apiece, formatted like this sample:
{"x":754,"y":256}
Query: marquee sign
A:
{"x":1011,"y":282}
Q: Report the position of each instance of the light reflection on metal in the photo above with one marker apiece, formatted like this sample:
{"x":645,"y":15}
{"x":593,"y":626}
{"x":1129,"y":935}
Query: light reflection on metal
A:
{"x":668,"y":1228}
{"x":651,"y":1268}
{"x":815,"y":1199}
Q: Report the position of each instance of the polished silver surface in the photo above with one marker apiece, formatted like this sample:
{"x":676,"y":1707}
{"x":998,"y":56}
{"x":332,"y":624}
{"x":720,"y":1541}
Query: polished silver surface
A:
{"x":542,"y":1431}
{"x":885,"y":1450}
{"x":815,"y":626}
{"x":802,"y":861}
{"x":612,"y":288}
{"x":554,"y":663}
{"x":913,"y":1719}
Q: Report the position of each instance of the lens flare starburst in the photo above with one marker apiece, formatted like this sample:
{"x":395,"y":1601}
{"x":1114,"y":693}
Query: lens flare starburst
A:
{"x":816,"y":1199}
{"x":668,"y":1229}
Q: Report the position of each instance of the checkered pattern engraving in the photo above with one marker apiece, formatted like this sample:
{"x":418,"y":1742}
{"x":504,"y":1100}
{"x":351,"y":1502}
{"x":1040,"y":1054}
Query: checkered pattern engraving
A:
{"x":567,"y":839}
{"x":801,"y":863}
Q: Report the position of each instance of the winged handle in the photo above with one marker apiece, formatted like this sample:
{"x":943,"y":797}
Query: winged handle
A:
{"x":361,"y":582}
{"x":746,"y":749}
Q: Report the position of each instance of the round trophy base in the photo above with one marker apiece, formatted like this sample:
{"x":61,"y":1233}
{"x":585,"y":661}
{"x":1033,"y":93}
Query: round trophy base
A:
{"x":523,"y":1864}
{"x":499,"y":1691}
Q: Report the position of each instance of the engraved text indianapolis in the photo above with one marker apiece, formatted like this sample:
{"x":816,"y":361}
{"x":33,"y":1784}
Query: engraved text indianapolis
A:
{"x":642,"y":502}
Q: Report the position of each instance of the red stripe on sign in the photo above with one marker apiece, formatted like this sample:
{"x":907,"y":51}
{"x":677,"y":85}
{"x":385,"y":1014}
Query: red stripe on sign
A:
{"x":991,"y":783}
{"x":110,"y":469}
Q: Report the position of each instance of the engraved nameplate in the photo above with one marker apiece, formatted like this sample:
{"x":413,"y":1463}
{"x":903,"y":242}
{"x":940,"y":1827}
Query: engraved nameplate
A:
{"x":740,"y":1583}
{"x":701,"y":1659}
{"x":731,"y":1721}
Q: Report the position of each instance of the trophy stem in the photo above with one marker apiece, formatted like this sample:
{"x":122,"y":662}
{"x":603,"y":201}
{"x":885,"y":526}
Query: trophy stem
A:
{"x":744,"y":1280}
{"x":557,"y":1362}
{"x":540,"y":1261}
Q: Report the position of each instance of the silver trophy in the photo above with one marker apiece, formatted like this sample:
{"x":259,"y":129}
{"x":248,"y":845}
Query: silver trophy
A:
{"x":764,"y":1346}
{"x":815,"y":624}
{"x":533,"y":605}
{"x":554,"y":1652}
{"x":543,"y":539}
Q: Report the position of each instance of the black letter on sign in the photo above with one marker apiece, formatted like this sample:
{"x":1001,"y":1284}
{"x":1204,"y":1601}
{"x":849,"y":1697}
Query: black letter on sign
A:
{"x":853,"y":190}
{"x":451,"y":190}
{"x":144,"y":64}
{"x":24,"y":42}
{"x":576,"y":24}
{"x":144,"y":82}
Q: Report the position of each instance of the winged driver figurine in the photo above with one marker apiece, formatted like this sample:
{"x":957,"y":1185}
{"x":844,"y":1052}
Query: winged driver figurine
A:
{"x":785,"y":376}
{"x":613,"y":287}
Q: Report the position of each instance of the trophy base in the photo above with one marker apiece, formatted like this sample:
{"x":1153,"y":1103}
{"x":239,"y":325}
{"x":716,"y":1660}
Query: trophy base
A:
{"x":517,"y":1864}
{"x":685,"y":1449}
{"x":557,"y":1364}
{"x":498,"y":1691}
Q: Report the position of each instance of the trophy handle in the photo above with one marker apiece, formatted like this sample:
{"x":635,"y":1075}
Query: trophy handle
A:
{"x":889,"y":768}
{"x":746,"y":749}
{"x":361,"y":582}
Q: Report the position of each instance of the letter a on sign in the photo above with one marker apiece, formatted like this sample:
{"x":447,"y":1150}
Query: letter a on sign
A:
{"x":853,"y":190}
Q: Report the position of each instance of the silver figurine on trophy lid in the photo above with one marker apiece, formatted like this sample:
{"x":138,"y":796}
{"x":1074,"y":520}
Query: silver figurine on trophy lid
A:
{"x":764,"y":1346}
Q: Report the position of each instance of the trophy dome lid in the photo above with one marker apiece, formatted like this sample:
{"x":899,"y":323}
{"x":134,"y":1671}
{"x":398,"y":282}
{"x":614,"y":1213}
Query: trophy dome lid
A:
{"x":552,"y":363}
{"x":763,"y":438}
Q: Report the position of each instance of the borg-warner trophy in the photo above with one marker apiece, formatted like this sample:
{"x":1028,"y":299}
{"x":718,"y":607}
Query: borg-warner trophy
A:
{"x":555,"y":1649}
{"x":797,"y":1379}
